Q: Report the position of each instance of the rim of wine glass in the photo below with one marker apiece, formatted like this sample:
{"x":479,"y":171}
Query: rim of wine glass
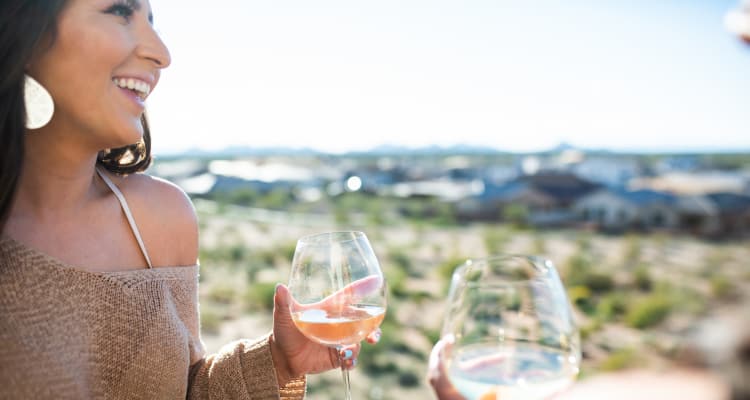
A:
{"x":307,"y":240}
{"x":536,"y":261}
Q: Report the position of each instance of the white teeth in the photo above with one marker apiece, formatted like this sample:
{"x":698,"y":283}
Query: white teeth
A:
{"x":141,"y":87}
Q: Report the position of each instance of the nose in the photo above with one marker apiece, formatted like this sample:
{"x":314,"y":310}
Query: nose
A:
{"x":152,"y":48}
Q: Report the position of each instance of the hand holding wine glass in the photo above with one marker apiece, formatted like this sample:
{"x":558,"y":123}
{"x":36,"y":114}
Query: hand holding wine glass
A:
{"x":336,"y":290}
{"x":508,"y":333}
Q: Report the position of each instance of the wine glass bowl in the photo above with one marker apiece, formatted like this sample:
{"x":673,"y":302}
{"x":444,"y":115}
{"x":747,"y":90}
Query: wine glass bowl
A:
{"x":337,"y":289}
{"x":511,"y":330}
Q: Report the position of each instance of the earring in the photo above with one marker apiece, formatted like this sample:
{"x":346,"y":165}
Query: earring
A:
{"x":39,"y":104}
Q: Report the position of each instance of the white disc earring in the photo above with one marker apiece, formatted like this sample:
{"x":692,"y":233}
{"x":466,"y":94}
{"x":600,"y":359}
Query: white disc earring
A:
{"x":39,"y":104}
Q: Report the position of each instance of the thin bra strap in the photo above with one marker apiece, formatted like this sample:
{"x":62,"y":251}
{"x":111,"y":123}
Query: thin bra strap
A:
{"x":128,"y":215}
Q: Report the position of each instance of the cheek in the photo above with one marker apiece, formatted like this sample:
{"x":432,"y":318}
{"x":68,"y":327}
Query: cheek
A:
{"x":84,"y":59}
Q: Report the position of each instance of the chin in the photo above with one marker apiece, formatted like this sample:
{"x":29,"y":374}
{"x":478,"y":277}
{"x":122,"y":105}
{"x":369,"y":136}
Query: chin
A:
{"x":127,"y":137}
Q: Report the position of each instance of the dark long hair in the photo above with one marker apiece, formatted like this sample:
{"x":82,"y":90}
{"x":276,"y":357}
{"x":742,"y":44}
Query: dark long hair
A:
{"x":26,"y":26}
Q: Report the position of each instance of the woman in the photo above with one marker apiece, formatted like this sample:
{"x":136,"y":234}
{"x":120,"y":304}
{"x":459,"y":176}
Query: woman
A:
{"x":98,"y":263}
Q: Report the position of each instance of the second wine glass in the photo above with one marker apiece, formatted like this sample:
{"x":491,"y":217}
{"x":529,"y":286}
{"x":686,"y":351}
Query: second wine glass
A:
{"x":511,"y":330}
{"x":338,"y":290}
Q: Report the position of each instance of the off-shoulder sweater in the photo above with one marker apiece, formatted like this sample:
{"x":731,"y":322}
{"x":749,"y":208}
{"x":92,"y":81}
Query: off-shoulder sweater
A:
{"x":66,"y":333}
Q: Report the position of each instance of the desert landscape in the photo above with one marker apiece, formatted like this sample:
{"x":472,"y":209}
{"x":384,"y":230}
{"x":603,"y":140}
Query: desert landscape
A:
{"x":641,"y":300}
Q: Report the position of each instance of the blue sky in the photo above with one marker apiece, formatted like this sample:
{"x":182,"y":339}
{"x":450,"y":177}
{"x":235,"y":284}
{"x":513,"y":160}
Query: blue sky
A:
{"x":340,"y":75}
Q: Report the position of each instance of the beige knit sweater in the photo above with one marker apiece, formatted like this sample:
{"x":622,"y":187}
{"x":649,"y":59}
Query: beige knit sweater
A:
{"x":70,"y":334}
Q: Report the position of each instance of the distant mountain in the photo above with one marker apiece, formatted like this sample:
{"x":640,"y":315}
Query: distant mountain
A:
{"x":243,"y":151}
{"x":429,"y":150}
{"x":396,"y":150}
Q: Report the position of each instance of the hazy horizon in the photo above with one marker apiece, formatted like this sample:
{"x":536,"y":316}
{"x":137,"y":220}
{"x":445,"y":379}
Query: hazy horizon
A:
{"x":340,"y":76}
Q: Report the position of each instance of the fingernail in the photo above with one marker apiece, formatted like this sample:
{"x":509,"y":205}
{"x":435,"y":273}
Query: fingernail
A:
{"x":348,"y":354}
{"x":376,"y":337}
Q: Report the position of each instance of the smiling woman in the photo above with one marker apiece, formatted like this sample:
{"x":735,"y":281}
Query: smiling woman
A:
{"x":98,"y":261}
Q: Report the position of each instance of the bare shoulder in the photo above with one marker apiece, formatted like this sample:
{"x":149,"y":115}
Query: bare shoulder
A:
{"x":165,"y":217}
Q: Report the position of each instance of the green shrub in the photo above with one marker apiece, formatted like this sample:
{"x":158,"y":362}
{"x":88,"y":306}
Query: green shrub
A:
{"x":408,"y":379}
{"x":259,"y":296}
{"x":222,"y":293}
{"x":598,"y":282}
{"x":589,"y":329}
{"x":495,"y":240}
{"x":642,"y":278}
{"x":210,"y":320}
{"x":396,"y":279}
{"x":577,"y":268}
{"x":517,"y":214}
{"x":618,"y":360}
{"x":580,"y":296}
{"x":611,"y":307}
{"x":400,"y":260}
{"x":649,"y":312}
{"x":446,"y":268}
{"x":721,"y":286}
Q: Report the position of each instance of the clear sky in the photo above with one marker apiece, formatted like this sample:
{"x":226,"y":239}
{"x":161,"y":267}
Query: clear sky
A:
{"x":522,"y":75}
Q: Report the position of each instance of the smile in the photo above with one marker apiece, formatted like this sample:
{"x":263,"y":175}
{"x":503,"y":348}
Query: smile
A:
{"x":141,"y":88}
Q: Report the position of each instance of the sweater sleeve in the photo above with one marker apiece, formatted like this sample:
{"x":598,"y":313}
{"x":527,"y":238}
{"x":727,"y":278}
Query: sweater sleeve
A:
{"x":241,"y":370}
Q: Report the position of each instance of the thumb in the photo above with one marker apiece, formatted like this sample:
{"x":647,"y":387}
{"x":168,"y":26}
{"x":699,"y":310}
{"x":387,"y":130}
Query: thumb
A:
{"x":281,"y":300}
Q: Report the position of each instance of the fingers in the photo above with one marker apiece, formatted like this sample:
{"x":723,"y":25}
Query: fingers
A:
{"x":374,"y":336}
{"x":347,"y":356}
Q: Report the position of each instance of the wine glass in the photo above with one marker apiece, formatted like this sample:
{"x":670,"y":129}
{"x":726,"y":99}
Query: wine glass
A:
{"x":338,"y":291}
{"x":510,"y":330}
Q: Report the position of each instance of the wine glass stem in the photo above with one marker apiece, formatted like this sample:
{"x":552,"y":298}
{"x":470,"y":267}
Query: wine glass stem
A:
{"x":345,"y":374}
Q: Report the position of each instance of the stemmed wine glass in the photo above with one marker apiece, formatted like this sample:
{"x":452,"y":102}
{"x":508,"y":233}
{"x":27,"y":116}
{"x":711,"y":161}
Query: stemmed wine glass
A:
{"x":338,"y":291}
{"x":510,"y":330}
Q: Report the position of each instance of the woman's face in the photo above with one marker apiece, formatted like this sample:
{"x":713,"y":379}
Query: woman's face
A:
{"x":102,"y":65}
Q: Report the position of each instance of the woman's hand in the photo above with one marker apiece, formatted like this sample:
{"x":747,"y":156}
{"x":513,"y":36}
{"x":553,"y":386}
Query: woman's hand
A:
{"x":294,"y":355}
{"x":438,"y":376}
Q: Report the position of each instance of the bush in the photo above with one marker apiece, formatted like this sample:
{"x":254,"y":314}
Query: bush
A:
{"x":649,"y":312}
{"x":408,"y":379}
{"x":721,"y":287}
{"x":445,"y":269}
{"x":577,"y":268}
{"x":517,"y":214}
{"x":210,"y":320}
{"x":400,"y":260}
{"x":598,"y":282}
{"x":495,"y":240}
{"x":611,"y":307}
{"x":618,"y":360}
{"x":222,"y":293}
{"x":580,"y":296}
{"x":260,"y":296}
{"x":642,"y":278}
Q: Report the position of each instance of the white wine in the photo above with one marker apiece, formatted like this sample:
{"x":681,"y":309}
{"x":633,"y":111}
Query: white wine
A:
{"x":517,"y":371}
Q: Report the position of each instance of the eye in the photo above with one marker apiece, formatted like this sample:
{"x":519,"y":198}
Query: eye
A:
{"x":123,"y":10}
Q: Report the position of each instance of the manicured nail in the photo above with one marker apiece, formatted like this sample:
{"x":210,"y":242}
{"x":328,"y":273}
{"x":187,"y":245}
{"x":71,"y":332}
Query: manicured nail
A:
{"x":348,"y":354}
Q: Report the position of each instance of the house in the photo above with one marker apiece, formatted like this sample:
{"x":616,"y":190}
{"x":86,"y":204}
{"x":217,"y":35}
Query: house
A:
{"x":733,"y":213}
{"x":546,"y":198}
{"x":612,"y":172}
{"x":619,"y":210}
{"x":699,"y":215}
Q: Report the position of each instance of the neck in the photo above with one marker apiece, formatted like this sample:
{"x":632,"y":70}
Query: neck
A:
{"x":57,"y":177}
